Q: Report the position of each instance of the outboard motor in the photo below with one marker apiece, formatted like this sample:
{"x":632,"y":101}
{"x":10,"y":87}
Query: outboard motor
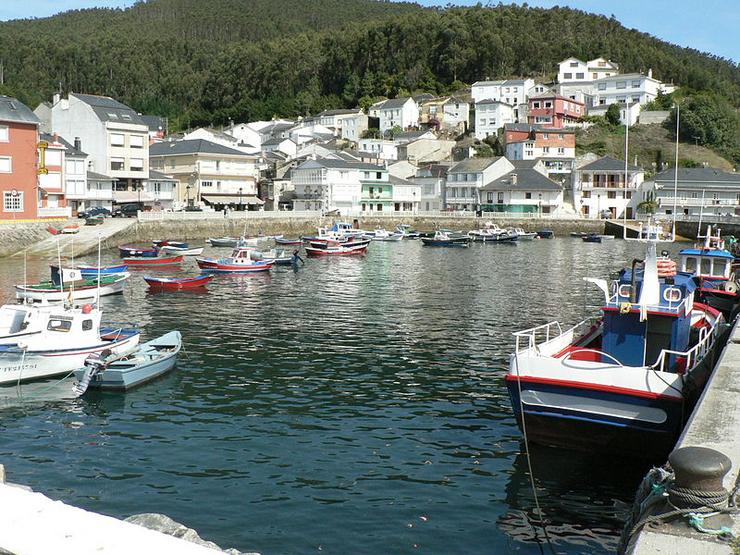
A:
{"x":95,"y":363}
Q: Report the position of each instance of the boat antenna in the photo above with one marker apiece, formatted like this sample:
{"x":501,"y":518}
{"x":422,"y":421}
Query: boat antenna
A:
{"x":25,"y":271}
{"x":701,"y":213}
{"x":97,"y":302}
{"x":59,"y":262}
{"x":72,"y":282}
{"x":675,"y":170}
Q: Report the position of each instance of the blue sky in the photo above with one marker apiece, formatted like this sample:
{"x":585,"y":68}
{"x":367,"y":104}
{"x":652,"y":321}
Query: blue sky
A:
{"x":707,"y":25}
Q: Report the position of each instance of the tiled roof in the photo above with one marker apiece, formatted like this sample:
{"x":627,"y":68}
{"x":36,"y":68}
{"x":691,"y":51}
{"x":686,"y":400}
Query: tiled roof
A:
{"x":473,"y":164}
{"x":609,"y":164}
{"x":109,"y":109}
{"x":699,"y":175}
{"x":71,"y":150}
{"x":527,"y":179}
{"x":12,"y":110}
{"x":192,"y":146}
{"x":394,"y":103}
{"x":99,"y":177}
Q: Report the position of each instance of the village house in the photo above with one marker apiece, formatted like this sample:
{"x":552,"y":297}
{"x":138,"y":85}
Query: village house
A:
{"x":378,"y":149}
{"x":446,"y":113}
{"x":626,"y":89}
{"x":425,"y":149}
{"x":699,"y":191}
{"x":19,"y":137}
{"x":573,"y":70}
{"x":334,"y":184}
{"x":99,"y":191}
{"x":334,"y":120}
{"x":209,"y":173}
{"x":116,"y":138}
{"x":52,"y":202}
{"x":512,"y":92}
{"x":353,"y":127}
{"x":466,"y":178}
{"x":555,"y":147}
{"x":490,"y":116}
{"x":600,"y":189}
{"x":220,"y":138}
{"x":398,"y":112}
{"x":432,"y":180}
{"x":552,"y":110}
{"x":526,"y":189}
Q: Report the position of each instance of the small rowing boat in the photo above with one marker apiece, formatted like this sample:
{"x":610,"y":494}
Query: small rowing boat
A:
{"x":337,"y":249}
{"x":242,"y":260}
{"x":70,"y":285}
{"x":176,"y":283}
{"x":93,"y":271}
{"x":185,"y":251}
{"x":446,"y":239}
{"x":159,"y":261}
{"x":127,"y":251}
{"x":282,"y":241}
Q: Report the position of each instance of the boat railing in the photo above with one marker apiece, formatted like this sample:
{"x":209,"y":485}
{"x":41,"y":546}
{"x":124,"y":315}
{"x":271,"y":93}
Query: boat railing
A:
{"x":595,"y":351}
{"x":622,"y":301}
{"x":693,"y":356}
{"x":550,"y":337}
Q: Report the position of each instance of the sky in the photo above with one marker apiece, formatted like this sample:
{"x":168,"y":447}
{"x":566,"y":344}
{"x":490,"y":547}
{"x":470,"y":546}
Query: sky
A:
{"x":708,"y":25}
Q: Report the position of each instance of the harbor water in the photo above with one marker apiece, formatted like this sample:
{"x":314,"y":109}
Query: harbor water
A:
{"x":356,"y":405}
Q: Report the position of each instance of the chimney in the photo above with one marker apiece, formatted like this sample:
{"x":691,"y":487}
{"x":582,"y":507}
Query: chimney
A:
{"x":56,"y":98}
{"x":55,"y":137}
{"x":78,"y":143}
{"x":650,"y":73}
{"x":513,"y":179}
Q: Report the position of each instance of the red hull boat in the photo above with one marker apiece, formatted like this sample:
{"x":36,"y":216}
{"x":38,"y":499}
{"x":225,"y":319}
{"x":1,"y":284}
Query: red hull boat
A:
{"x":336,"y":250}
{"x":160,"y":261}
{"x":176,"y":284}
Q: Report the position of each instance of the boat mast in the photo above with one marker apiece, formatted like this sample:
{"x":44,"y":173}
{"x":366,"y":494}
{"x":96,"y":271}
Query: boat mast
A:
{"x":97,"y":302}
{"x":701,"y":213}
{"x":675,"y":169}
{"x":626,"y":157}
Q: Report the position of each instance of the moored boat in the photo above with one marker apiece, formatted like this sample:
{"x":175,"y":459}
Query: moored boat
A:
{"x":545,"y":233}
{"x":70,"y":285}
{"x":159,"y":243}
{"x":407,"y":231}
{"x":184,"y":251}
{"x":159,"y":261}
{"x":337,"y":249}
{"x":129,"y":251}
{"x":625,"y":383}
{"x":177,"y":283}
{"x":283,"y":241}
{"x":444,"y":238}
{"x":278,"y":256}
{"x":223,"y":241}
{"x":580,"y":234}
{"x":384,"y":235}
{"x":523,"y":235}
{"x":240,"y":261}
{"x":122,"y":372}
{"x":597,"y":238}
{"x":93,"y":271}
{"x":43,"y":341}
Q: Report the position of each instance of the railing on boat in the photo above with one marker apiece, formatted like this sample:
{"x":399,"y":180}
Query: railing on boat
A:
{"x":693,"y":356}
{"x":545,"y":335}
{"x":618,"y":299}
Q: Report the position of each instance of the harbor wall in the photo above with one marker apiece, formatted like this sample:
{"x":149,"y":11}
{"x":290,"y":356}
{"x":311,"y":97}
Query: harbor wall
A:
{"x":146,"y":231}
{"x":15,"y":237}
{"x":690,"y":229}
{"x":713,"y":424}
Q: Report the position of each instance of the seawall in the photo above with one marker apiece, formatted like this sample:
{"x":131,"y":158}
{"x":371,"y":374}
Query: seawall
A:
{"x":146,"y":231}
{"x":15,"y":237}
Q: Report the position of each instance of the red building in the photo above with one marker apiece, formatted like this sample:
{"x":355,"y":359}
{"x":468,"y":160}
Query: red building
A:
{"x":552,"y":110}
{"x":19,"y":137}
{"x":540,"y":135}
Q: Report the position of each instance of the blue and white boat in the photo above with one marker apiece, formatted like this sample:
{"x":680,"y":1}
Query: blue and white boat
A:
{"x":151,"y":360}
{"x":624,"y":383}
{"x":711,"y":264}
{"x":445,"y":238}
{"x":93,"y":271}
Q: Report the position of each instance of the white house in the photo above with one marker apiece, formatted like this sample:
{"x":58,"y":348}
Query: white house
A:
{"x":332,"y":184}
{"x":80,"y":195}
{"x":526,"y":189}
{"x":353,"y":127}
{"x":706,"y":191}
{"x":600,"y":189}
{"x":208,"y":172}
{"x":466,"y":178}
{"x":116,"y":139}
{"x":456,"y":114}
{"x":220,"y":138}
{"x":286,"y":146}
{"x":490,"y":116}
{"x":573,"y":70}
{"x":629,"y":88}
{"x":161,"y":189}
{"x":406,"y":195}
{"x":513,"y":92}
{"x":402,"y":112}
{"x":378,"y":149}
{"x":99,"y":190}
{"x":432,"y":180}
{"x":335,"y":120}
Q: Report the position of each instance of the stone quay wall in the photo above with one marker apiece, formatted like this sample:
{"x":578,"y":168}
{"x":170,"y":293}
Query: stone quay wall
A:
{"x":15,"y":237}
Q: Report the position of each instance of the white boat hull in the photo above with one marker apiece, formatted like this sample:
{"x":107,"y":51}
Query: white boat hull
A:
{"x":17,"y":366}
{"x":88,"y":293}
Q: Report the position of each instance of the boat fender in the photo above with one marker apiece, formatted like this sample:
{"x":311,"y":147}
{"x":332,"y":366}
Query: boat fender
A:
{"x":624,"y":308}
{"x":87,"y":309}
{"x":730,"y":287}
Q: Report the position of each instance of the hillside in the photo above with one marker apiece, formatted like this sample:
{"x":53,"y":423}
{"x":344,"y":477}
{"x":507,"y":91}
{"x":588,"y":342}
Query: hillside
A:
{"x":649,"y":146}
{"x":206,"y":62}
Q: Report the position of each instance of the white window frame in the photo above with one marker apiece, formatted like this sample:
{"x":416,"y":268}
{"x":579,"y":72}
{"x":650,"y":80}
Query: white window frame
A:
{"x":136,"y":141}
{"x":4,"y":134}
{"x":117,"y":159}
{"x":11,"y":202}
{"x":114,"y":138}
{"x":134,"y":165}
{"x":9,"y":164}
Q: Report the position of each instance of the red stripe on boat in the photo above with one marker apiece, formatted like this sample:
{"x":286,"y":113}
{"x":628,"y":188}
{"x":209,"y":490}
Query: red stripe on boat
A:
{"x":594,"y":387}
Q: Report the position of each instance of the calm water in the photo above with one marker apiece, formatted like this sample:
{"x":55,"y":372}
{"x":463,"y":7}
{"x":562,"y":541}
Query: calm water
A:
{"x":355,"y":406}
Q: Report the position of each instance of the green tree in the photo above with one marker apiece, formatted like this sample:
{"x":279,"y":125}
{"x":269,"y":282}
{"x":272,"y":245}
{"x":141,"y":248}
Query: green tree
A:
{"x":612,"y":114}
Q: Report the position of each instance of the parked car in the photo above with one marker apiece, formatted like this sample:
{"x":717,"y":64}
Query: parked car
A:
{"x":93,"y":212}
{"x":193,"y":208}
{"x":126,"y":211}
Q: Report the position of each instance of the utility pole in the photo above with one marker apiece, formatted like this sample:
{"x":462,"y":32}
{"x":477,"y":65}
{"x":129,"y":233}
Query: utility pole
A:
{"x":2,"y":73}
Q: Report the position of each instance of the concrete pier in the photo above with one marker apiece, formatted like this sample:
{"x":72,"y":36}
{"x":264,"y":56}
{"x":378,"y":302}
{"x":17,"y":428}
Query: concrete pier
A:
{"x":715,"y":423}
{"x":33,"y":524}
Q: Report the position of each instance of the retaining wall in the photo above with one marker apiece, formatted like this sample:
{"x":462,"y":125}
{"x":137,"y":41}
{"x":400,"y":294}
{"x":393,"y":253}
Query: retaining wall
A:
{"x":15,"y":237}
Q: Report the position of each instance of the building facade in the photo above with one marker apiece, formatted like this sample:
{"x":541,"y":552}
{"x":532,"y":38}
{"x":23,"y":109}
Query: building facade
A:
{"x":601,"y":191}
{"x":19,"y":137}
{"x":490,"y":116}
{"x":524,"y":190}
{"x":398,"y":112}
{"x":465,"y":180}
{"x":553,"y":110}
{"x":699,"y":191}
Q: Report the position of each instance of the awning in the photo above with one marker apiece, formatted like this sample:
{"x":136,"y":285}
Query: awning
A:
{"x":231,"y":199}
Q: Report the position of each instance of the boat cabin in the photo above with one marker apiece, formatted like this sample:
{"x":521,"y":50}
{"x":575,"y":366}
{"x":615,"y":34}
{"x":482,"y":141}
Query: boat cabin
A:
{"x":49,"y":326}
{"x":635,"y":333}
{"x":243,"y":255}
{"x":706,"y":263}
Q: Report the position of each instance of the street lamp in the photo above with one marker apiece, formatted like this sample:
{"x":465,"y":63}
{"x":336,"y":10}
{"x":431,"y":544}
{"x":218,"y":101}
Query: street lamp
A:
{"x":241,"y":208}
{"x":539,"y":204}
{"x":187,"y":194}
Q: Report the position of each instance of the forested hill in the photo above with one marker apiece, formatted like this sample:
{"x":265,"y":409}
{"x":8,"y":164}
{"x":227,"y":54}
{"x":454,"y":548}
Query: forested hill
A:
{"x":206,"y":62}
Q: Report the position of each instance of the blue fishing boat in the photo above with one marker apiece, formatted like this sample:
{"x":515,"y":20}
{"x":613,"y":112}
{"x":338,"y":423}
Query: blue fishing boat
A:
{"x":128,"y":251}
{"x":122,"y":372}
{"x":624,"y":383}
{"x":92,"y":271}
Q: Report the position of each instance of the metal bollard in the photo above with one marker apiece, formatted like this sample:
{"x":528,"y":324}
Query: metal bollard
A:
{"x":697,"y":468}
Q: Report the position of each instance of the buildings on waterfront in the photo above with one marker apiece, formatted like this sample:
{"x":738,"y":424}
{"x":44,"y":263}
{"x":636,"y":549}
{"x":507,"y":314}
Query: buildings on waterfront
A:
{"x":699,"y":191}
{"x":600,"y":189}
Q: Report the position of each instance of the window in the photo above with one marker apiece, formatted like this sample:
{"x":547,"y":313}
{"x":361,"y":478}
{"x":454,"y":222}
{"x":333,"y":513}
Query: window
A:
{"x":87,"y":325}
{"x":579,"y":75}
{"x":635,"y":84}
{"x":75,"y":166}
{"x":586,"y":194}
{"x":548,"y":104}
{"x":545,"y":136}
{"x":4,"y":134}
{"x":635,"y":99}
{"x":602,"y":64}
{"x":491,"y":121}
{"x":621,"y":99}
{"x":594,"y":76}
{"x":621,"y":84}
{"x":13,"y":201}
{"x":545,"y":150}
{"x":218,"y":165}
{"x":628,"y":194}
{"x":127,"y":117}
{"x":500,"y":197}
{"x":377,"y":175}
{"x":611,"y":194}
{"x":602,"y":86}
{"x":366,"y":175}
{"x":136,"y":141}
{"x":206,"y":183}
{"x":529,"y":145}
{"x":137,"y":164}
{"x":6,"y":164}
{"x":602,"y":101}
{"x":706,"y":266}
{"x":528,"y":195}
{"x":116,"y":164}
{"x":380,"y":207}
{"x":157,"y":188}
{"x":567,"y":75}
{"x":116,"y":139}
{"x":59,"y":324}
{"x":574,"y":64}
{"x":535,"y":105}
